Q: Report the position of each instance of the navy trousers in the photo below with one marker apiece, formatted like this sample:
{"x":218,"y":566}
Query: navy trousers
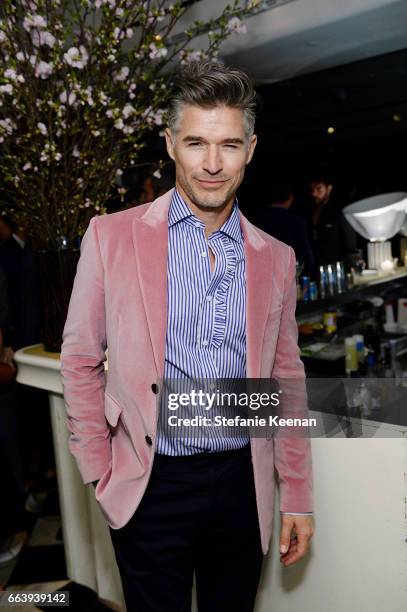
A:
{"x":198,"y":514}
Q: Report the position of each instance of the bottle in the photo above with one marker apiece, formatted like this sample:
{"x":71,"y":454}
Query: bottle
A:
{"x":373,"y":382}
{"x":351,"y":356}
{"x":340,"y":276}
{"x":305,"y":283}
{"x":313,"y":291}
{"x":329,"y":319}
{"x":322,"y":282}
{"x":360,"y":348}
{"x":330,"y":273}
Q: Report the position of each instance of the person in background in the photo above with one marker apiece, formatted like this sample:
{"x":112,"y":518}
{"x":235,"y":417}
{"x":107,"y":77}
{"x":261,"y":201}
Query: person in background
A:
{"x":12,"y":515}
{"x":18,"y":262}
{"x":156,"y":184}
{"x":277,"y":219}
{"x":332,"y":238}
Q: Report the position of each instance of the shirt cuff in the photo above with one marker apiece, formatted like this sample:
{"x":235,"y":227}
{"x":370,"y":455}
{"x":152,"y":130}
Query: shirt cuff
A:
{"x":298,"y":513}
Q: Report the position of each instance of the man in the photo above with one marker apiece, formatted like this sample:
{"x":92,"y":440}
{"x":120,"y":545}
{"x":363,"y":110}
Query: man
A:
{"x":277,"y":219}
{"x":155,"y":185}
{"x":332,"y":237}
{"x":187,"y":286}
{"x":12,"y":515}
{"x":17,"y":260}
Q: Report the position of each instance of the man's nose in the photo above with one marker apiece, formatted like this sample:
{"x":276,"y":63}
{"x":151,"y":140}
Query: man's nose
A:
{"x":212,"y":162}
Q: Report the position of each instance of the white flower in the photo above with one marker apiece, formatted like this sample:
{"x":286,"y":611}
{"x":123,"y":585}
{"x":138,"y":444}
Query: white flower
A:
{"x":8,"y":88}
{"x":235,"y":25}
{"x":42,"y":128}
{"x":7,"y":126}
{"x":109,"y":113}
{"x":128,"y":110}
{"x":157,"y":174}
{"x":34,"y":21}
{"x":129,"y":32}
{"x":157,"y":52}
{"x":10,"y":73}
{"x":20,"y":56}
{"x":42,"y":38}
{"x":128,"y":129}
{"x":70,"y":98}
{"x":75,"y":152}
{"x":31,"y":5}
{"x":194,"y":56}
{"x":57,"y":156}
{"x":118,"y":124}
{"x":158,"y":117}
{"x":43,"y":69}
{"x":119,"y":172}
{"x":3,"y":37}
{"x":119,"y":12}
{"x":122,"y":74}
{"x":27,"y":166}
{"x":96,"y":133}
{"x":77,"y":58}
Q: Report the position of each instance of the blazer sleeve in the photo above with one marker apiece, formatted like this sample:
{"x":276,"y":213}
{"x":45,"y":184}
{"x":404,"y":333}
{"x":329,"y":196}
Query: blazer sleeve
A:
{"x":292,"y":447}
{"x":82,"y":362}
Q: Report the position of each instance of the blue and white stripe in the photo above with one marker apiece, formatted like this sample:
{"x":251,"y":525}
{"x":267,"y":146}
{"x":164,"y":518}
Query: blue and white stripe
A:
{"x":206,"y":317}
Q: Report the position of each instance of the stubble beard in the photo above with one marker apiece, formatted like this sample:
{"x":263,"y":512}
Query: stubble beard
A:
{"x":205,"y":204}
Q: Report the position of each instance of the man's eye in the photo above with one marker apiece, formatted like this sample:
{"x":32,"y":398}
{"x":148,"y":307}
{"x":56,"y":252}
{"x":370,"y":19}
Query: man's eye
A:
{"x":194,"y":144}
{"x":231,"y":146}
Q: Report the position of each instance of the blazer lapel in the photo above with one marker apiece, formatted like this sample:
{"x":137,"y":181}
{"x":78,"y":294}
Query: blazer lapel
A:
{"x":150,"y":241}
{"x":258,"y":294}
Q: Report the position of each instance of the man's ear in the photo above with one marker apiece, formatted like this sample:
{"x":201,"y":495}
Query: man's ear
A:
{"x":169,"y":143}
{"x":252,"y":146}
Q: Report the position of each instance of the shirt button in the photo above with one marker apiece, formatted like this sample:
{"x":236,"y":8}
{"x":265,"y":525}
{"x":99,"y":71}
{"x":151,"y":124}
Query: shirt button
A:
{"x":209,"y":298}
{"x":154,"y":388}
{"x":204,"y":254}
{"x":197,"y":224}
{"x":205,"y":342}
{"x":148,"y":440}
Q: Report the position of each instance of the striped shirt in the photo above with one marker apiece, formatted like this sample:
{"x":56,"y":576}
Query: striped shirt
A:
{"x":206,"y":319}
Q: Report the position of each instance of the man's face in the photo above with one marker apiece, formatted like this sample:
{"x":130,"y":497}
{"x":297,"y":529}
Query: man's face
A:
{"x":320,"y":192}
{"x":147,"y":192}
{"x":5,"y":231}
{"x":210,"y":150}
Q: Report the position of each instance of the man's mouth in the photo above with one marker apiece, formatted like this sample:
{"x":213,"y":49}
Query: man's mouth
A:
{"x":211,"y":183}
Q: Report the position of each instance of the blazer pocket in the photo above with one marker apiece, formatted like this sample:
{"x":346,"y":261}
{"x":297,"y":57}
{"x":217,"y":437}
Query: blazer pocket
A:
{"x":112,"y":410}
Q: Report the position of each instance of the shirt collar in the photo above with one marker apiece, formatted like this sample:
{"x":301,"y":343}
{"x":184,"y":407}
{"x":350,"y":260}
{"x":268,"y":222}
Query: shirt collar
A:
{"x":179,"y":211}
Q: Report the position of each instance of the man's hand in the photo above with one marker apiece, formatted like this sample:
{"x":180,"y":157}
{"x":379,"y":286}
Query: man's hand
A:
{"x":296,"y":533}
{"x":7,"y":356}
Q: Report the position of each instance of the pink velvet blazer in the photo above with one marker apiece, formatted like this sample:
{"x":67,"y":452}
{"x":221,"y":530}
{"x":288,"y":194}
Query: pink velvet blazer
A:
{"x":119,"y":301}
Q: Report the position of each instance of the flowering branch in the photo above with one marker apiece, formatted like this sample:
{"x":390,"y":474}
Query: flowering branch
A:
{"x":82,"y":82}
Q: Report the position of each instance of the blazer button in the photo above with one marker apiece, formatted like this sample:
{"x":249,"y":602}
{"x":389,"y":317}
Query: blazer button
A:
{"x":154,"y":388}
{"x":148,"y":440}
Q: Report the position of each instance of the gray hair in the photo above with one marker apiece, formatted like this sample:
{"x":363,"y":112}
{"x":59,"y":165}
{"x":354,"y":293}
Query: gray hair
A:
{"x":208,"y":84}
